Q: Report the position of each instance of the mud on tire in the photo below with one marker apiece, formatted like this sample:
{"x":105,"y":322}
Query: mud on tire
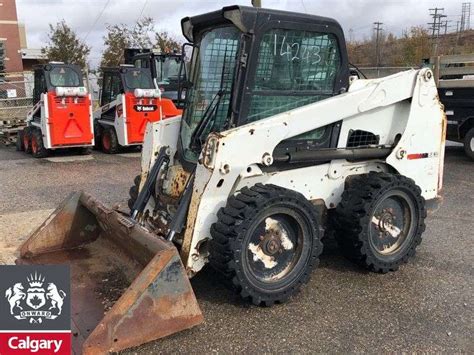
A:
{"x":265,"y":243}
{"x":380,"y":220}
{"x":27,"y":139}
{"x":109,"y":140}
{"x":37,"y":145}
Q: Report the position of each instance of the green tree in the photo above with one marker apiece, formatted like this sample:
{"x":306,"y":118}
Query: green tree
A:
{"x":121,"y":36}
{"x":415,"y":45}
{"x":166,"y":43}
{"x":141,"y":36}
{"x":65,"y":46}
{"x":115,"y":41}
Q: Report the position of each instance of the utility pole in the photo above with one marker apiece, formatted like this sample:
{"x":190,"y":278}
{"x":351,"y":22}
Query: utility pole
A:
{"x":351,"y":35}
{"x":377,"y":29}
{"x":435,"y":26}
{"x":465,"y":16}
{"x":257,"y":3}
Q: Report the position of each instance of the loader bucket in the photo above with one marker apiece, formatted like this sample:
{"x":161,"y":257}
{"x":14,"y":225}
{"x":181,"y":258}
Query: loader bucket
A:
{"x":128,"y":286}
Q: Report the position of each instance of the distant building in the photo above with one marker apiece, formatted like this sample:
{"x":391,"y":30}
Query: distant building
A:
{"x":31,"y":57}
{"x":10,"y":41}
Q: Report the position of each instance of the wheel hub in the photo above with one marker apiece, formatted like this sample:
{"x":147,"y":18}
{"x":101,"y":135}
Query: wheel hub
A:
{"x":386,"y":221}
{"x":391,"y":224}
{"x":273,"y":248}
{"x":271,"y":243}
{"x":34,"y":145}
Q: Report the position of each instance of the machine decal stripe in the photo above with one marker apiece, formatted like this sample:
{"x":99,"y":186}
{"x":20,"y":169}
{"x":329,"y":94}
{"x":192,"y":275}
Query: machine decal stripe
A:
{"x":422,"y":155}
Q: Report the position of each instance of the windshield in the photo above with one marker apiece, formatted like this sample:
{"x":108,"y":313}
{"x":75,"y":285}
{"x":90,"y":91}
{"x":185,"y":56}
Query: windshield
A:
{"x":138,"y":79}
{"x":167,"y":69}
{"x":64,"y":77}
{"x":212,"y":71}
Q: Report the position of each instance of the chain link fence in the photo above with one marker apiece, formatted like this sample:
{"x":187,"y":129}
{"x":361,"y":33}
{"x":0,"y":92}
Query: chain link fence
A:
{"x":16,"y":99}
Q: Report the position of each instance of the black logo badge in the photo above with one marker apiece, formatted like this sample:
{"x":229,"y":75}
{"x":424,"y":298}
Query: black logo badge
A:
{"x":145,"y":108}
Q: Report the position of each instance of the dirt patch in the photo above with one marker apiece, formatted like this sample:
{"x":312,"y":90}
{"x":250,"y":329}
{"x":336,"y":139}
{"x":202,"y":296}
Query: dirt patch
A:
{"x":15,"y":228}
{"x":114,"y":283}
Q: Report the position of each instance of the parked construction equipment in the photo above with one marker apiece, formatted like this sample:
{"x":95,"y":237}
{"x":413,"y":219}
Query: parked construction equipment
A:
{"x":167,"y":69}
{"x":128,"y":101}
{"x":276,"y":146}
{"x":454,"y":75}
{"x":61,"y":116}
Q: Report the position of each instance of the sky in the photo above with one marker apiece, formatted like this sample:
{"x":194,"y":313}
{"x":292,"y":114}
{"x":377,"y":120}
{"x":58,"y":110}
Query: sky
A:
{"x":89,"y":17}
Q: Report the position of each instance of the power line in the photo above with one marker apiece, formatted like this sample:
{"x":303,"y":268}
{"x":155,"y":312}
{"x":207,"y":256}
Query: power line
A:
{"x":435,"y":26}
{"x":96,"y":20}
{"x":465,"y":16}
{"x":141,"y":12}
{"x":134,"y":27}
{"x":304,"y":6}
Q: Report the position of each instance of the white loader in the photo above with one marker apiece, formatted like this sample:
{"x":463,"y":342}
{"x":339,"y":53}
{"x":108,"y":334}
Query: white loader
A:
{"x":276,"y":146}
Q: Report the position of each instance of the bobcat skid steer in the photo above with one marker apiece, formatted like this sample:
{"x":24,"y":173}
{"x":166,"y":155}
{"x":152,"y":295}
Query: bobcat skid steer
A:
{"x":276,"y":146}
{"x":168,"y":71}
{"x":61,"y":116}
{"x":128,"y":101}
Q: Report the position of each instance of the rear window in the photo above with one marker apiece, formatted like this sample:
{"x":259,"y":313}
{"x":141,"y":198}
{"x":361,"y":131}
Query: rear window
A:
{"x":64,"y":77}
{"x":138,"y":79}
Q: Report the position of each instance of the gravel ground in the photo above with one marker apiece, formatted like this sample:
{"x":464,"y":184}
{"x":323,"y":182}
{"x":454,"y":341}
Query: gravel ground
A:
{"x":426,"y":306}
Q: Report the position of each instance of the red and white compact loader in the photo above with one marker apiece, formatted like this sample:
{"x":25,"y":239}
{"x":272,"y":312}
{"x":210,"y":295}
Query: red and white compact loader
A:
{"x":61,"y":116}
{"x":128,"y":101}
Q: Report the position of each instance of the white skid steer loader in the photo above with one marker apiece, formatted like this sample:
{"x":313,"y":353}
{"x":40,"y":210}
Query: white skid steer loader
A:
{"x":276,"y":146}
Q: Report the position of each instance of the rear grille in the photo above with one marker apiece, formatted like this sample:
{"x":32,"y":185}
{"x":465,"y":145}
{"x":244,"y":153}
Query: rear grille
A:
{"x":143,"y":101}
{"x":69,"y":100}
{"x":359,"y":138}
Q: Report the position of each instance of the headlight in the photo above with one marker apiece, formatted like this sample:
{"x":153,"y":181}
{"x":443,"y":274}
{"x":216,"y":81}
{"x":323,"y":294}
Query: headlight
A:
{"x":71,"y":91}
{"x":209,"y":152}
{"x":139,"y":93}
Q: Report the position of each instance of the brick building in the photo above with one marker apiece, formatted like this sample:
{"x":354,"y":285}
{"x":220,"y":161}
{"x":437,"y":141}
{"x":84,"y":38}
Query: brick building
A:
{"x":10,"y":37}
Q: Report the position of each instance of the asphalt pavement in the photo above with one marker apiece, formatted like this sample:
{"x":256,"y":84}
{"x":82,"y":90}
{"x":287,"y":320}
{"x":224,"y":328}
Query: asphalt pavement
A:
{"x":427,"y":306}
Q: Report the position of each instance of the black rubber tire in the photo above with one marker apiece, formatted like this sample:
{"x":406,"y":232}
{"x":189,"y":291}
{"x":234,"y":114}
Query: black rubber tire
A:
{"x":98,"y":130}
{"x":234,"y":227}
{"x":27,"y":140}
{"x":114,"y":147}
{"x":353,"y":216}
{"x":39,"y":151}
{"x":467,"y":143}
{"x":19,"y":141}
{"x":84,"y":150}
{"x":133,"y":192}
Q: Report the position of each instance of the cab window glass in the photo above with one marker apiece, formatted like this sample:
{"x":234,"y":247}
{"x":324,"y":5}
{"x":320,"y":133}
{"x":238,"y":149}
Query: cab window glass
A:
{"x":294,"y":68}
{"x":138,"y":79}
{"x":111,"y":88}
{"x":116,"y":86}
{"x":64,"y":77}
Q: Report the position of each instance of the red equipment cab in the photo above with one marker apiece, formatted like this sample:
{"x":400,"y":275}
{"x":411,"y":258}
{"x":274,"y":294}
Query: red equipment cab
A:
{"x":128,"y":101}
{"x":61,"y":116}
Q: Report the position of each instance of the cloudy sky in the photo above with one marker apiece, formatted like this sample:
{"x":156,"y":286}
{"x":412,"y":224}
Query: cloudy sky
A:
{"x":83,"y":15}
